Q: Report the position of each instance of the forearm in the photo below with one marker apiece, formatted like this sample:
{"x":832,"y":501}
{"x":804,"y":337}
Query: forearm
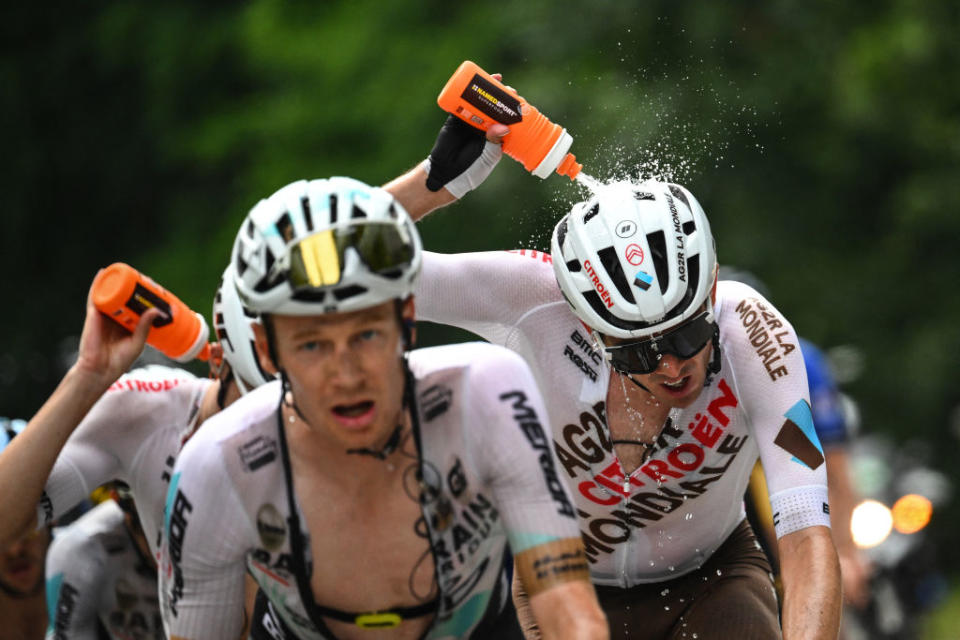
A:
{"x":811,"y":584}
{"x":410,"y":190}
{"x":26,"y":462}
{"x":569,"y":611}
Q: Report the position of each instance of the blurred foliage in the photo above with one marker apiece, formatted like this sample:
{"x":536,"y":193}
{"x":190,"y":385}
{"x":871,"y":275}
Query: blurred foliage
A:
{"x":823,"y":140}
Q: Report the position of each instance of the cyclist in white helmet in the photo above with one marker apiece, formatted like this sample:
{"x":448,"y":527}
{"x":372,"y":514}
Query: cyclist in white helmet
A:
{"x":662,"y":387}
{"x":102,"y":577}
{"x":100,"y":425}
{"x":372,"y":492}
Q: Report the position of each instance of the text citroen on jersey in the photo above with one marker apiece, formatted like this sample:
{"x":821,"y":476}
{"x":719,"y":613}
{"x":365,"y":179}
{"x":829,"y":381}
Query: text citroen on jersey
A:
{"x":683,"y":469}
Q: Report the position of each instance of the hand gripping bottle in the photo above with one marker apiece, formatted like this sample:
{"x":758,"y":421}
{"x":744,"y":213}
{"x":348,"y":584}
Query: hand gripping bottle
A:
{"x":480,"y":100}
{"x":123,"y":293}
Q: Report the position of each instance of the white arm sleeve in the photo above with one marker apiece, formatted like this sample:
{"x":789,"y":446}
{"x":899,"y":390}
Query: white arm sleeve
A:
{"x":771,"y":368}
{"x":206,"y":536}
{"x":510,"y":442}
{"x":75,"y":571}
{"x":486,"y":293}
{"x":105,"y":443}
{"x":93,"y":452}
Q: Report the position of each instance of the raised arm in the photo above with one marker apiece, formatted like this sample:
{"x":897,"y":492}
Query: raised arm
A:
{"x":106,"y":351}
{"x":461,"y":159}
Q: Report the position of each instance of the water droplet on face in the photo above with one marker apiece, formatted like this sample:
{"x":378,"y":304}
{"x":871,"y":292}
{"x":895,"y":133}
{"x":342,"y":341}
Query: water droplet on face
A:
{"x":719,"y":573}
{"x":689,"y":516}
{"x":665,"y":592}
{"x":666,"y":608}
{"x":652,"y":563}
{"x":671,"y":568}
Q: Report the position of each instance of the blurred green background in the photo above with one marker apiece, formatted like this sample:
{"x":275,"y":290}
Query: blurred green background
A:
{"x":823,"y":139}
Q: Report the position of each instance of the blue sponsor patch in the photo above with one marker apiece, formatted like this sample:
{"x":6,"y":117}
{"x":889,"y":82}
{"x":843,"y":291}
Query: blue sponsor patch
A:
{"x":168,"y":507}
{"x":643,"y":280}
{"x":799,"y":437}
{"x":53,"y":595}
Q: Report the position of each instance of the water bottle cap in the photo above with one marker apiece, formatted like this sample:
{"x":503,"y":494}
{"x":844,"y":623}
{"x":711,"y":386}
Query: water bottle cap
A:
{"x":113,"y":286}
{"x":570,"y":167}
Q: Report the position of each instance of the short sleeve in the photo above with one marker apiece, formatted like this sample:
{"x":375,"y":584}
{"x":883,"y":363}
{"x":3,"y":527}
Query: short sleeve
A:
{"x":206,"y":536}
{"x":510,"y":442}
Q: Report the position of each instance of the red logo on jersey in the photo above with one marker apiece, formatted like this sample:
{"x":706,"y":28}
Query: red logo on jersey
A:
{"x":634,"y":254}
{"x":533,"y":253}
{"x":133,"y":384}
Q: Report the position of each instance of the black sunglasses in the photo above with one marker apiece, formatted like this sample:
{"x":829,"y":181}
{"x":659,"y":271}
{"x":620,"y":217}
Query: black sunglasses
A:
{"x":644,"y":356}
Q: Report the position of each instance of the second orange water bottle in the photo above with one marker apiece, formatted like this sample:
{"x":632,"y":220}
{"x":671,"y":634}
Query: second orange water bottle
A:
{"x":124,"y":294}
{"x":480,"y":100}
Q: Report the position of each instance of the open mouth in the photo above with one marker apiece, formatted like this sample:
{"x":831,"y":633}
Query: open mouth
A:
{"x":19,"y":569}
{"x":677,"y":385}
{"x":353,"y":410}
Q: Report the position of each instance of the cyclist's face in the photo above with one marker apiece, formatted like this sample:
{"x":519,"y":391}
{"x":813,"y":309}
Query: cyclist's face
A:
{"x":676,"y":382}
{"x":21,"y":564}
{"x":345,"y":371}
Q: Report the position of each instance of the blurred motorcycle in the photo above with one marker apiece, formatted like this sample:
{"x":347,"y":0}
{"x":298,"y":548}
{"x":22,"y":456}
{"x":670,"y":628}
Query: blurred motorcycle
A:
{"x":900,"y":494}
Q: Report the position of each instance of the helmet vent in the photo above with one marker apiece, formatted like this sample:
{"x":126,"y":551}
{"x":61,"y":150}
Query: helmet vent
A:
{"x":348,"y":292}
{"x":250,"y":228}
{"x":309,"y":295}
{"x":689,"y":227}
{"x":256,"y":361}
{"x":574,"y":266}
{"x":594,"y":210}
{"x":658,"y":249}
{"x":267,"y":282}
{"x":610,"y":262}
{"x":285,"y":228}
{"x":221,"y":330}
{"x":562,"y":233}
{"x":357,"y":212}
{"x":693,"y":278}
{"x":593,"y":298}
{"x":391,"y":274}
{"x":643,"y":195}
{"x":307,"y":214}
{"x":679,"y":194}
{"x":333,"y":208}
{"x":392,"y":211}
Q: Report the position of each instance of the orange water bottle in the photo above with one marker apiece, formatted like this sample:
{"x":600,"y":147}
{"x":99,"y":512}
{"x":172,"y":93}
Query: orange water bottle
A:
{"x":480,"y":100}
{"x":123,"y":293}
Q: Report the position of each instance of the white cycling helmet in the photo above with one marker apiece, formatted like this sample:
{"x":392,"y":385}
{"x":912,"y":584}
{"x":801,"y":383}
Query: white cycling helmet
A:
{"x":325,"y":246}
{"x":635,"y":259}
{"x":231,"y":322}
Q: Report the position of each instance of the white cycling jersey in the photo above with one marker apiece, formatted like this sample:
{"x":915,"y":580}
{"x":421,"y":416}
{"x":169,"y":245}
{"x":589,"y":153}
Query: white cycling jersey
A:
{"x":675,"y":510}
{"x":133,"y":433}
{"x":483,"y":456}
{"x":99,"y":583}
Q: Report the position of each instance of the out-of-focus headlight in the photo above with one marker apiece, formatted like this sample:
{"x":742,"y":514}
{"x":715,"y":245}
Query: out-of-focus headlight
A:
{"x":870,"y":524}
{"x":911,"y":513}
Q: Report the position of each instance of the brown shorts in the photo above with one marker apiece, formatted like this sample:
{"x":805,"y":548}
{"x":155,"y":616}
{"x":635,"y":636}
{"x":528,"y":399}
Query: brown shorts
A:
{"x":730,"y":596}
